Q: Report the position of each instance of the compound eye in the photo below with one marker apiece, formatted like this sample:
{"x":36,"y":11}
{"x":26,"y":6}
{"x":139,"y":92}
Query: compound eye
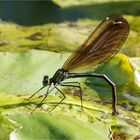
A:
{"x":45,"y":80}
{"x":46,"y":77}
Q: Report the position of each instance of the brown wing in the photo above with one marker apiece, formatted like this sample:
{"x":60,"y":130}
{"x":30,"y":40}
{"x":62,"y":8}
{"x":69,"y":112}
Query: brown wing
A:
{"x":104,"y":42}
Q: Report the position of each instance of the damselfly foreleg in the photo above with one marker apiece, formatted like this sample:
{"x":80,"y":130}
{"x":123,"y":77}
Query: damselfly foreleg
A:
{"x":45,"y":96}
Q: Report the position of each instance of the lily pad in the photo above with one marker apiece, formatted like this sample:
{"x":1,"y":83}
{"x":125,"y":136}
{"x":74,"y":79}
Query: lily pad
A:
{"x":41,"y":126}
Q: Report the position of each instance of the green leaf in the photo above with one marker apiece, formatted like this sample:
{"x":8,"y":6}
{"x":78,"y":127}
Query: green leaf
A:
{"x":41,"y":126}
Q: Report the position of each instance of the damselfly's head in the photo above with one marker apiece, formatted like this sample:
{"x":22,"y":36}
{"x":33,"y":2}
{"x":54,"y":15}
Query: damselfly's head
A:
{"x":46,"y":80}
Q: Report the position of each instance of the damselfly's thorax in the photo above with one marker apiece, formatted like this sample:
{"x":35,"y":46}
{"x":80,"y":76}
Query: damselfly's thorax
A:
{"x":59,"y":76}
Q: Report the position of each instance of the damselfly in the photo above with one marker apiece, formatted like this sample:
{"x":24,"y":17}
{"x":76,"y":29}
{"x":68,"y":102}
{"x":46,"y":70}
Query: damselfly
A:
{"x":103,"y":43}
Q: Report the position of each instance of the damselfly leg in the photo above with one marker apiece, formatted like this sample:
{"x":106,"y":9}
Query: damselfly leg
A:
{"x":45,"y":96}
{"x":69,"y":84}
{"x":60,"y":101}
{"x":35,"y":93}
